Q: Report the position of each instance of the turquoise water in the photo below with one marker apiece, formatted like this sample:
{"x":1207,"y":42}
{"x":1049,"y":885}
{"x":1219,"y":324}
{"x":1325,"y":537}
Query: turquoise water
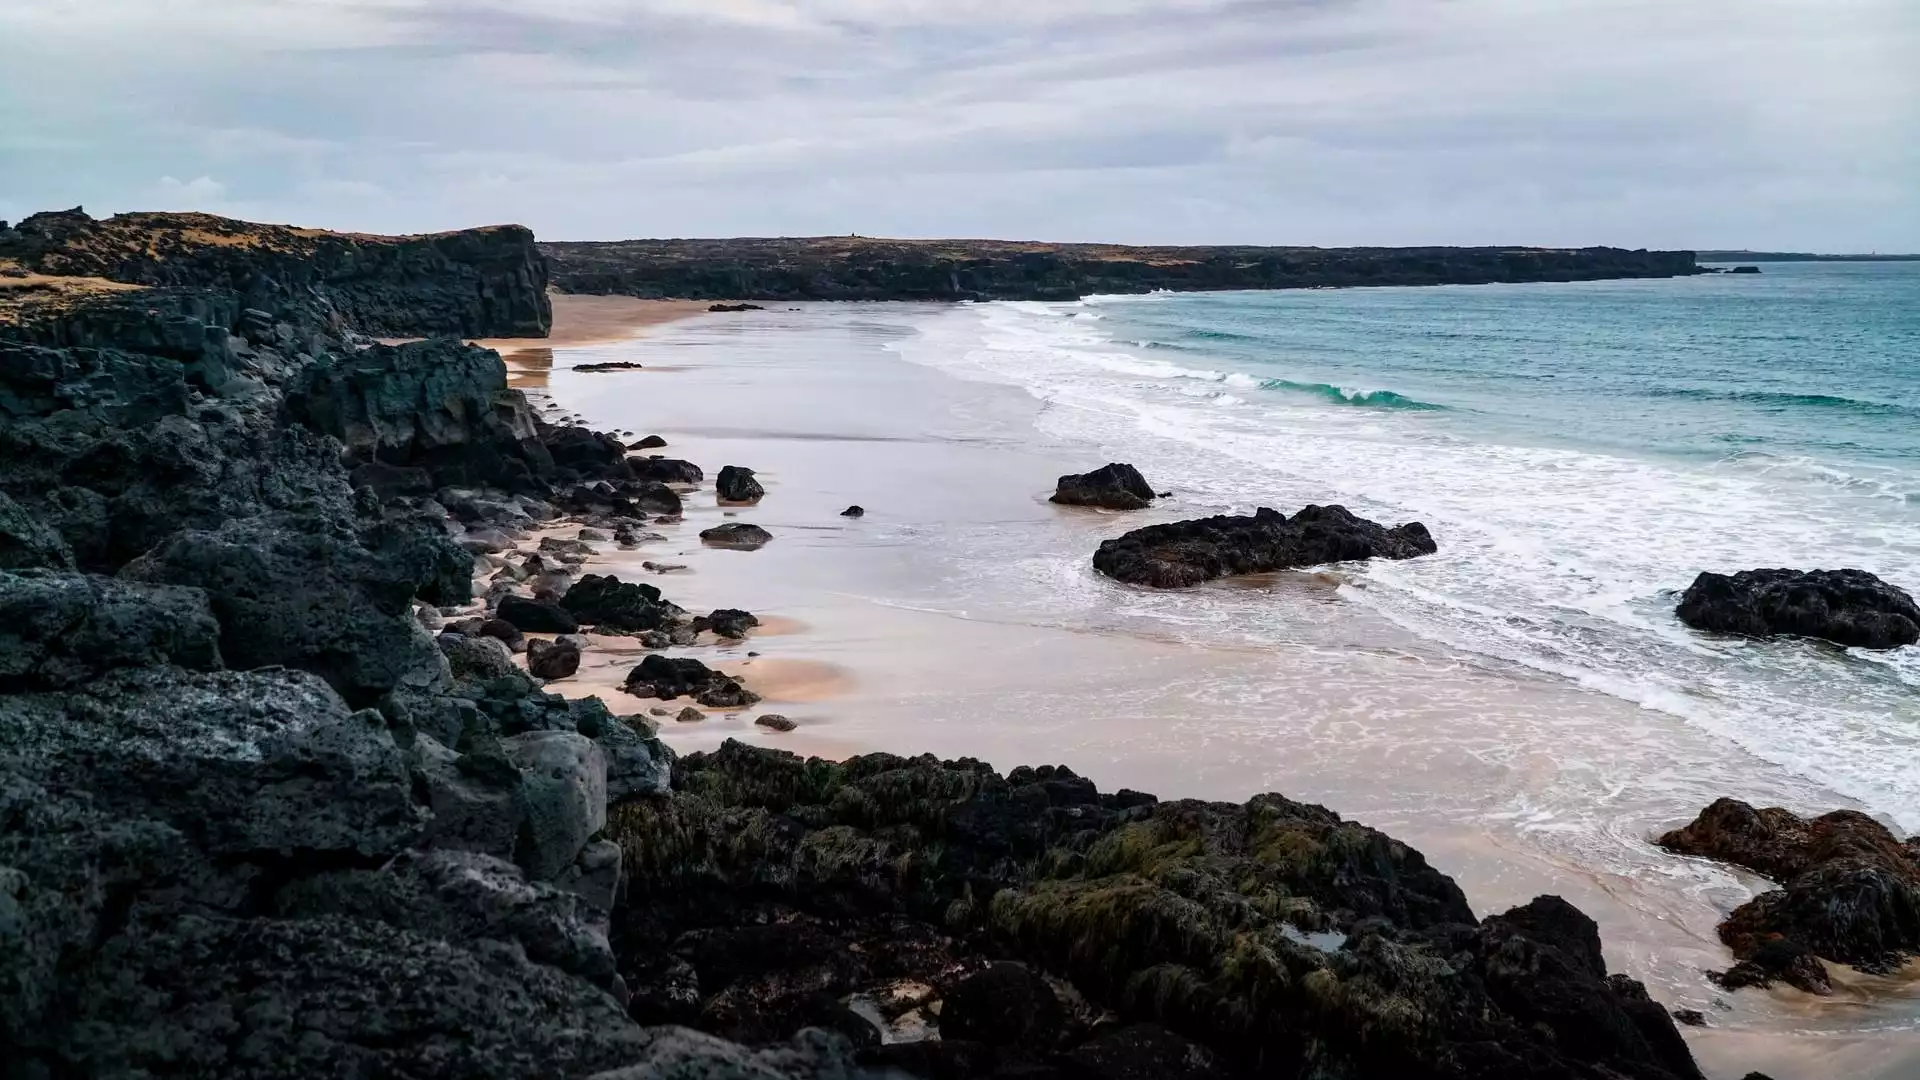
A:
{"x":1580,"y":452}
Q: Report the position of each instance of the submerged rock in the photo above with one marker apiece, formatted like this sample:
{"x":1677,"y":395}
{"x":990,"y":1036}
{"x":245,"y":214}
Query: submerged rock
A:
{"x":1849,"y":891}
{"x":1190,"y":552}
{"x":1849,"y":607}
{"x":1113,"y":486}
{"x":737,"y":485}
{"x":739,"y":535}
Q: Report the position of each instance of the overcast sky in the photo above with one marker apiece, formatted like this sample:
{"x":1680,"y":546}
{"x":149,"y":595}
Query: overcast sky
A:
{"x":1657,"y":123}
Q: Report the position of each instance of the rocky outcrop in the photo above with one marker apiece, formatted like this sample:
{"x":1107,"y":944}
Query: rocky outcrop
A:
{"x":1849,"y":891}
{"x":1848,"y":607}
{"x":474,"y":283}
{"x":1111,"y":487}
{"x":866,"y":268}
{"x":1271,"y":934}
{"x":736,"y":484}
{"x":1190,"y":552}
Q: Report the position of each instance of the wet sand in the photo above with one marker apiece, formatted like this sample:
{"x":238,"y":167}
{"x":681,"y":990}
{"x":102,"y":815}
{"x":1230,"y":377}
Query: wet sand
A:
{"x":877,"y":638}
{"x":581,"y":321}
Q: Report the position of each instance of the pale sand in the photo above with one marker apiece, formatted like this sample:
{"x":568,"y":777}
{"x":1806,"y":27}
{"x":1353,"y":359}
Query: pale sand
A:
{"x":580,"y":321}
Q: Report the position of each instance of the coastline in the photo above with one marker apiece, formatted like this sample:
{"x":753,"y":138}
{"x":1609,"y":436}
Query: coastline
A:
{"x":869,"y":661}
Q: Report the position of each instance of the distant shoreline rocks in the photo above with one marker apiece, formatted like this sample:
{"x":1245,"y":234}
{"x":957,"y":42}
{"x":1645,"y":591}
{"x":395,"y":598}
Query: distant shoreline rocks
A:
{"x":1186,"y":553}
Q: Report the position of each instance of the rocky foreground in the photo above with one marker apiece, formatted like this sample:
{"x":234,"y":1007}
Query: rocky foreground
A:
{"x":257,"y":819}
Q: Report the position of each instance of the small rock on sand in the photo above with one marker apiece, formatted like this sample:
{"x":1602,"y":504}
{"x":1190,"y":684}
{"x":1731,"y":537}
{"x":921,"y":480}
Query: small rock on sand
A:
{"x":776,"y":722}
{"x":595,"y":534}
{"x":739,"y":535}
{"x":690,"y":715}
{"x":660,"y":711}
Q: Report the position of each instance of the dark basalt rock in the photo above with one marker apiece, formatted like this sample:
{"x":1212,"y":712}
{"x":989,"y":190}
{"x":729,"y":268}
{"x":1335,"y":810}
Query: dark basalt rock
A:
{"x":651,"y":442}
{"x":670,"y":677}
{"x":727,"y":622}
{"x":736,"y":534}
{"x":735,"y":307}
{"x":61,"y":630}
{"x":552,"y":660}
{"x":1006,"y":1004}
{"x":774,"y":722}
{"x":1850,"y":891}
{"x":1113,"y":486}
{"x":614,"y":606}
{"x":737,"y":485}
{"x":1190,"y":552}
{"x":666,"y":470}
{"x":1849,"y":607}
{"x":1143,"y":1052}
{"x":854,"y":511}
{"x":537,"y":616}
{"x":1185,"y":915}
{"x":612,"y":365}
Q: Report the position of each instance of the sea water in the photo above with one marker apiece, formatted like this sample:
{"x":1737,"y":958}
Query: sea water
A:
{"x":1579,"y":451}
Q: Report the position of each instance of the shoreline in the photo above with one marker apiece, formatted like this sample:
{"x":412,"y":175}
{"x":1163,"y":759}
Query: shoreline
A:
{"x":1721,"y":1050}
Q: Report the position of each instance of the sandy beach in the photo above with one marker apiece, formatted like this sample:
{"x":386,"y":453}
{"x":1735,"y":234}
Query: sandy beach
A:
{"x":873,"y":640}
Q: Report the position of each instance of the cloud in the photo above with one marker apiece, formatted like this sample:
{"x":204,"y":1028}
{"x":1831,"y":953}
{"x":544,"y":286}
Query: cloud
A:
{"x":1639,"y":122}
{"x":200,"y":193}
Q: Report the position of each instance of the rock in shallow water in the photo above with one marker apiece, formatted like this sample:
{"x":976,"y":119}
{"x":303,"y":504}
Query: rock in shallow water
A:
{"x":1190,"y":552}
{"x":738,"y":535}
{"x":1849,"y":607}
{"x":736,"y":484}
{"x":1113,"y":487}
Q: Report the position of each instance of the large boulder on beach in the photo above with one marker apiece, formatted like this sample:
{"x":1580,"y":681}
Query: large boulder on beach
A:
{"x":1190,"y":552}
{"x":610,"y":605}
{"x":537,"y":616}
{"x":736,"y":484}
{"x":1848,"y":607}
{"x":666,"y":470}
{"x":669,"y":677}
{"x":1849,"y":890}
{"x":1112,"y":487}
{"x":552,"y":659}
{"x":738,"y":535}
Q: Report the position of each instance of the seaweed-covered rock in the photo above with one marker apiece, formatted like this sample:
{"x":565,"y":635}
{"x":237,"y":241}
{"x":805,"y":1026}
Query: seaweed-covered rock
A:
{"x":1189,"y":552}
{"x":613,"y":606}
{"x":737,"y":485}
{"x":1849,"y":890}
{"x":739,"y":535}
{"x":1192,"y":916}
{"x":1849,"y":607}
{"x":1113,"y":486}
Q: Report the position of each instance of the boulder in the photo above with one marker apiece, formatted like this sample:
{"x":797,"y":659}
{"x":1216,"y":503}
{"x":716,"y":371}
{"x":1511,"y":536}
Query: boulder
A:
{"x":505,"y":632}
{"x":657,"y":498}
{"x":727,"y":622}
{"x":1190,"y":552}
{"x":774,"y":722}
{"x":1143,"y":1052}
{"x":651,"y":442}
{"x":478,"y":657}
{"x":552,"y":660}
{"x":1006,"y":1004}
{"x":1112,"y":487}
{"x":1849,"y":891}
{"x":1848,"y":607}
{"x":668,"y":677}
{"x":666,"y":470}
{"x":537,"y":616}
{"x":738,"y":535}
{"x":566,"y":550}
{"x":854,"y":511}
{"x":614,"y":606}
{"x":63,"y":630}
{"x":564,"y":784}
{"x":737,"y":485}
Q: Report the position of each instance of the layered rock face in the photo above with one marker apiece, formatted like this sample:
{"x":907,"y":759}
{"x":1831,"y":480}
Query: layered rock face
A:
{"x":1190,"y":552}
{"x":864,"y":268}
{"x":1847,"y":607}
{"x":473,"y":283}
{"x":1849,"y":891}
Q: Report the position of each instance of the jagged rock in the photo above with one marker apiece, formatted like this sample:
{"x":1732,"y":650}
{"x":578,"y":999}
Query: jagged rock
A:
{"x":614,"y":606}
{"x":477,"y":657}
{"x":774,"y":722}
{"x":666,"y":470}
{"x":391,"y":482}
{"x":62,"y":630}
{"x":738,"y":535}
{"x":727,"y":622}
{"x":566,"y":550}
{"x":1005,"y":1004}
{"x":670,"y":677}
{"x":1849,"y":607}
{"x":1850,"y":891}
{"x":737,"y":485}
{"x":537,"y":616}
{"x":854,"y":511}
{"x":310,"y":598}
{"x":564,"y":783}
{"x":552,"y":660}
{"x":1189,"y":552}
{"x":1113,"y":486}
{"x":27,"y":542}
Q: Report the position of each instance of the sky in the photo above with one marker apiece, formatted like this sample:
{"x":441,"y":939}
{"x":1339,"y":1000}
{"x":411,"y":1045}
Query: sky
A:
{"x":1770,"y":124}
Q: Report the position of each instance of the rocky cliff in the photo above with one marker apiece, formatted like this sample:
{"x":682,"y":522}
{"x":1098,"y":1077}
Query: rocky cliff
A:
{"x":860,"y":268}
{"x":487,"y":282}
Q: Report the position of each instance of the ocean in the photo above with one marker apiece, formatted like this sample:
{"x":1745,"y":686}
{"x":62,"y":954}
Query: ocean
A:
{"x":1579,"y":451}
